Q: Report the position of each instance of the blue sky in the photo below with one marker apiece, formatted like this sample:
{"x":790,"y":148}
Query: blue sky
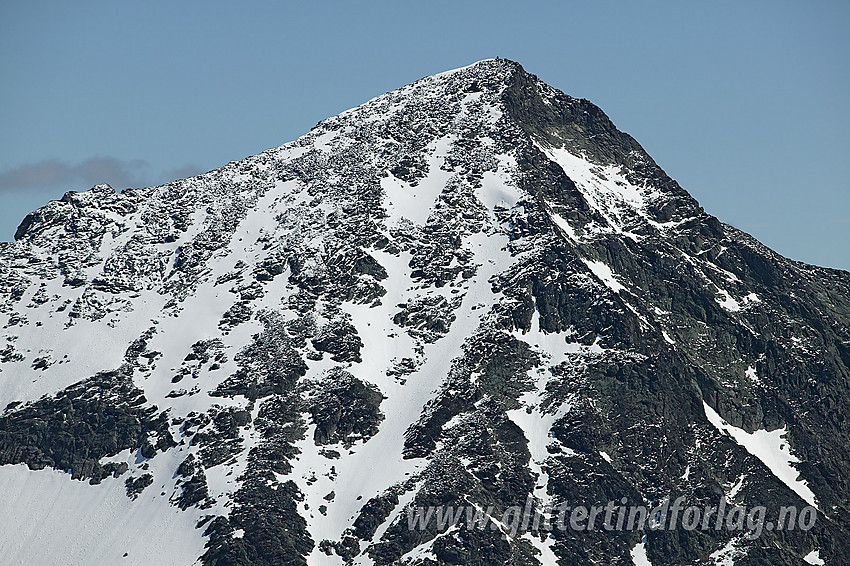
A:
{"x":744,"y":103}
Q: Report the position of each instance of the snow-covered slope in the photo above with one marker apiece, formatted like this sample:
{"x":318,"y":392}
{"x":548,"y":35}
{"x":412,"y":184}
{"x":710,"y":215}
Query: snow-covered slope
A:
{"x":471,"y":290}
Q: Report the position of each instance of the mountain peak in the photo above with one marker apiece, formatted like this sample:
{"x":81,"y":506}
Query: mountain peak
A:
{"x":475,"y":281}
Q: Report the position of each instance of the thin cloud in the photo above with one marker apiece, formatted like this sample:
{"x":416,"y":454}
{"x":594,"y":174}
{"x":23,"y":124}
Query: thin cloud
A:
{"x":54,"y":173}
{"x":36,"y":175}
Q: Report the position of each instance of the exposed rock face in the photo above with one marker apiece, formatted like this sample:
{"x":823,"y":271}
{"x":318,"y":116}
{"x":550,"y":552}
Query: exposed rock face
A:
{"x":472,"y":291}
{"x":344,"y":409}
{"x":90,"y":420}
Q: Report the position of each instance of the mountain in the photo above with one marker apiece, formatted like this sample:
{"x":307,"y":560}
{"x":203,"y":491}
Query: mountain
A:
{"x":472,"y":292}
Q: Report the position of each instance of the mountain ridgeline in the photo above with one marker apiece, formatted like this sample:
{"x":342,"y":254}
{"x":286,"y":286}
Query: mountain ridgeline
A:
{"x":471,"y":292}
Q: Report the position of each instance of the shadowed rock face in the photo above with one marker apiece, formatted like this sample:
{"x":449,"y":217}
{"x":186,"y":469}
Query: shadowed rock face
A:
{"x":72,"y":431}
{"x":471,"y":291}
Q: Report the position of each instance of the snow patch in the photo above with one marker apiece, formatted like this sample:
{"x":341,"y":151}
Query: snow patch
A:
{"x":607,"y":191}
{"x":727,"y":555}
{"x":735,"y":489}
{"x":403,"y":200}
{"x":603,"y":272}
{"x":725,"y":300}
{"x":751,"y":373}
{"x":547,"y":555}
{"x":61,"y":521}
{"x":638,"y":553}
{"x":769,"y":447}
{"x":563,"y":225}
